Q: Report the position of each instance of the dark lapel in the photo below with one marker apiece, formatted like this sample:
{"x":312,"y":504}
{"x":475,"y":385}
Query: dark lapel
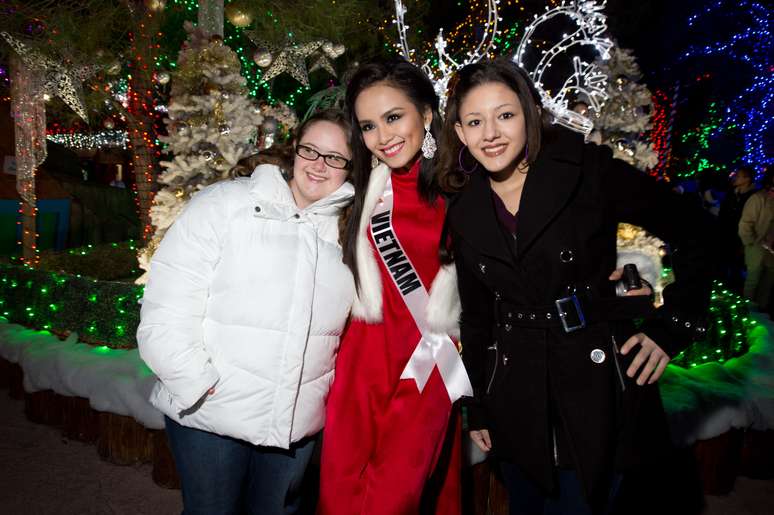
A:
{"x":472,"y":216}
{"x":550,"y":184}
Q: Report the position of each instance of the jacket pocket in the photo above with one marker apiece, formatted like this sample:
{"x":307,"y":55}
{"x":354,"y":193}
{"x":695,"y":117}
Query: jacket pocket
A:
{"x":616,"y":351}
{"x":493,"y":356}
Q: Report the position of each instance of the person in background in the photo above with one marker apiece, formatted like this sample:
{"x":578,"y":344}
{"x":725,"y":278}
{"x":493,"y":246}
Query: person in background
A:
{"x":241,"y":320}
{"x":731,"y":248}
{"x":710,"y":195}
{"x":756,"y":230}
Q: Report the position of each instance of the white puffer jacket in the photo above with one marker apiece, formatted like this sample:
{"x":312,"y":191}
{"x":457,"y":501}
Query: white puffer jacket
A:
{"x":248,"y":293}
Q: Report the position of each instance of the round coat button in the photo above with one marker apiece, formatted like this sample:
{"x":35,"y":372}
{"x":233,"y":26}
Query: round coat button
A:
{"x":257,"y":209}
{"x":597,"y":355}
{"x":566,"y":256}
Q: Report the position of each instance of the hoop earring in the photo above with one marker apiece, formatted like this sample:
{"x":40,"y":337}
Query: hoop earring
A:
{"x":428,"y":144}
{"x":462,"y":167}
{"x":374,"y":161}
{"x":524,"y":162}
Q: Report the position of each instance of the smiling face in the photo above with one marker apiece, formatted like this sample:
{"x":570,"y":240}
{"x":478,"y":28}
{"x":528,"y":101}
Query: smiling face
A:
{"x":314,"y":180}
{"x":392,"y":127}
{"x":493,"y":127}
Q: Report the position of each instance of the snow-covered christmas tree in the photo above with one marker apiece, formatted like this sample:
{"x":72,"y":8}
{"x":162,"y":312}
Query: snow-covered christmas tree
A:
{"x":212,"y":124}
{"x":625,"y":116}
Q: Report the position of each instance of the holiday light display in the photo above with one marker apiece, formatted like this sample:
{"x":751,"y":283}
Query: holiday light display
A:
{"x":143,"y":119}
{"x":699,"y":139}
{"x":750,"y":46}
{"x":662,"y":119}
{"x":444,"y":66}
{"x":89,"y":141}
{"x":101,"y":312}
{"x":585,"y":80}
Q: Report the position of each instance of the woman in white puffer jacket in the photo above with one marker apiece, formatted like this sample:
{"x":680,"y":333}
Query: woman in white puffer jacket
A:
{"x":241,"y":320}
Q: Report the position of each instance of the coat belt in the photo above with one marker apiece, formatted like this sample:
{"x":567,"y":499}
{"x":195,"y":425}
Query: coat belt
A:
{"x":574,"y":312}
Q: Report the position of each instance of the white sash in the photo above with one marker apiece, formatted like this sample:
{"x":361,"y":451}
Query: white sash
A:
{"x":433,"y":349}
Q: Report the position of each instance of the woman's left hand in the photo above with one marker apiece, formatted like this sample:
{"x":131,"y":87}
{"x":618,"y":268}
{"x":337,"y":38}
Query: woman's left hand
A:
{"x":650,"y":355}
{"x":645,"y":290}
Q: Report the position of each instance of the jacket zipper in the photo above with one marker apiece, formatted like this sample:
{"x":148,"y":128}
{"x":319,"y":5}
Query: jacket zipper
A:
{"x":497,"y":360}
{"x":556,"y":450}
{"x":617,"y":365}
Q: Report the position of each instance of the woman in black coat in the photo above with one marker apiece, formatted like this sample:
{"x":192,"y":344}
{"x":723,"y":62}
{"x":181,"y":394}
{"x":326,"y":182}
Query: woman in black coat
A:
{"x":563,"y":378}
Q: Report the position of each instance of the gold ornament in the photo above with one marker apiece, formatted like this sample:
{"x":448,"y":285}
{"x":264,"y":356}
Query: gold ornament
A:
{"x":238,"y":15}
{"x":113,"y":68}
{"x":162,"y":78}
{"x":262,"y":57}
{"x":333,"y":51}
{"x":621,"y":81}
{"x":156,"y":5}
{"x":265,"y":51}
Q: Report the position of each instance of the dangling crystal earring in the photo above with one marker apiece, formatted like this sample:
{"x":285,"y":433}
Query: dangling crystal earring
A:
{"x":428,"y":144}
{"x":374,"y":162}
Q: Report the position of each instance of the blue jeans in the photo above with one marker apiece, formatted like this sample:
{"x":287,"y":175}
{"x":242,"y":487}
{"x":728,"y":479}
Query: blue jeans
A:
{"x":525,"y":498}
{"x":221,"y":475}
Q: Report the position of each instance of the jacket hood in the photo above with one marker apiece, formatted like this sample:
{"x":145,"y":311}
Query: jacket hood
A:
{"x":269,"y":185}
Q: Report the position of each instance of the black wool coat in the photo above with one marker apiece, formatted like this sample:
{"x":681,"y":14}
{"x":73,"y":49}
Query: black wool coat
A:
{"x":527,"y":377}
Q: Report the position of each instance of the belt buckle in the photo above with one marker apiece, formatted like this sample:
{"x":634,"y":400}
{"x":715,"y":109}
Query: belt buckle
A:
{"x":561,"y":304}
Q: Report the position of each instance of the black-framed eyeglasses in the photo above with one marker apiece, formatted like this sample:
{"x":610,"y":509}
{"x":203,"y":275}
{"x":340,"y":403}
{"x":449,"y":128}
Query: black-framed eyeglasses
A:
{"x":331,"y":160}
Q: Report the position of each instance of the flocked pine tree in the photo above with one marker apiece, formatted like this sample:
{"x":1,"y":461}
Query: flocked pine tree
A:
{"x":624,"y":119}
{"x":212,"y":124}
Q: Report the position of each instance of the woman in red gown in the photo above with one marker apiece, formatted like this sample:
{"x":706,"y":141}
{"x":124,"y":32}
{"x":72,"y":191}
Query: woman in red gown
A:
{"x":389,"y":446}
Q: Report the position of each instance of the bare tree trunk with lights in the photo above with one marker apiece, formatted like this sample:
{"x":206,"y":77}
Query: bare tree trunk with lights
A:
{"x":140,"y":119}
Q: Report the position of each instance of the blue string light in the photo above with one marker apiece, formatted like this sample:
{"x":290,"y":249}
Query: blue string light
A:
{"x":750,"y":111}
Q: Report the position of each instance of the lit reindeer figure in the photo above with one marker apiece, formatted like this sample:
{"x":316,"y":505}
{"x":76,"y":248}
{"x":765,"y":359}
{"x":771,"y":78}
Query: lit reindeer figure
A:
{"x":447,"y":66}
{"x":586,"y":80}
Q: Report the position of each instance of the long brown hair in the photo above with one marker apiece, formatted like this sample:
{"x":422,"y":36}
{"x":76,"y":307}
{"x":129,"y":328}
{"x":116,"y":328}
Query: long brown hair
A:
{"x":410,"y":80}
{"x":450,"y":177}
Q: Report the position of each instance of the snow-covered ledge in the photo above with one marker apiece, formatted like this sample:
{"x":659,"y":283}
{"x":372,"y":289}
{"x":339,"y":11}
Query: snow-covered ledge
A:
{"x":113,"y":380}
{"x":707,"y":400}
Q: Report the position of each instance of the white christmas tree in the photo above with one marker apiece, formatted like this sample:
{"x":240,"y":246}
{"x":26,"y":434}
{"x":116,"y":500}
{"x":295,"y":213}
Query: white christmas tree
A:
{"x":212,"y":124}
{"x":625,"y":115}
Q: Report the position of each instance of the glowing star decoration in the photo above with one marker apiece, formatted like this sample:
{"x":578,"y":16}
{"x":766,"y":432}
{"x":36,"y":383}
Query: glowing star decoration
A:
{"x":586,"y":78}
{"x":58,"y":79}
{"x":292,"y":60}
{"x":447,"y":66}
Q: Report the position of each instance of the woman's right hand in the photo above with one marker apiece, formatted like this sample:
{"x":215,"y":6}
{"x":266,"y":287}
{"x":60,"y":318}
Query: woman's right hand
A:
{"x":481,"y":439}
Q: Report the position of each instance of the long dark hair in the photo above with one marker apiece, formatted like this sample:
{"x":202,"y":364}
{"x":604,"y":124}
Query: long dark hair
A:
{"x":450,"y":177}
{"x":409,"y":79}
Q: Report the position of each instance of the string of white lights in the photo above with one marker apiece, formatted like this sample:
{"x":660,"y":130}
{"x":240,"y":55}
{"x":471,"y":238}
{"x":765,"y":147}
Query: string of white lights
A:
{"x":447,"y":66}
{"x":586,"y":79}
{"x":88,"y":141}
